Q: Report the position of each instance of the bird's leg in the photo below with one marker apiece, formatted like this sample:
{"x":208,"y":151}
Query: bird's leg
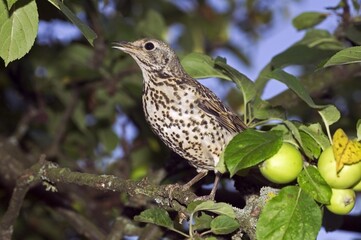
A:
{"x":198,"y":177}
{"x":215,"y":186}
{"x":186,"y":186}
{"x":194,"y":180}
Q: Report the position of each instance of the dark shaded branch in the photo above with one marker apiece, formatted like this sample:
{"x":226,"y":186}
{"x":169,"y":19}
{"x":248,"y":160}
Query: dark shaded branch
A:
{"x":63,"y":123}
{"x":23,"y":184}
{"x":123,"y":226}
{"x":23,"y":124}
{"x":49,"y":173}
{"x":316,"y":83}
{"x":82,"y":225}
{"x":111,"y":183}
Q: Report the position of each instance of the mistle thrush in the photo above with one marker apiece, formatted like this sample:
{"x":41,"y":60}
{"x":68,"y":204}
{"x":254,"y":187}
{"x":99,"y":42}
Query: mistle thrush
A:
{"x":188,"y":117}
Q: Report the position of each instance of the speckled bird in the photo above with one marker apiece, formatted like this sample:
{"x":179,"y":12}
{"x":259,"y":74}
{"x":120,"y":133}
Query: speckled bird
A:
{"x":188,"y":117}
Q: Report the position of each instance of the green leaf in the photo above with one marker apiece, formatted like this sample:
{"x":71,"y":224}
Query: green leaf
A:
{"x":224,"y":225}
{"x":312,"y":183}
{"x":264,"y":110}
{"x":310,"y":146}
{"x":307,"y":143}
{"x":315,"y":47}
{"x":358,"y":129}
{"x":18,"y":29}
{"x":152,"y":25}
{"x":199,"y":65}
{"x":251,"y":147}
{"x":294,"y":130}
{"x":221,"y":166}
{"x":11,"y":3}
{"x":243,"y":83}
{"x":78,"y":117}
{"x":330,"y":115}
{"x":88,"y":33}
{"x":356,"y":4}
{"x":202,"y":222}
{"x":301,"y":55}
{"x":219,"y":208}
{"x":294,"y":84}
{"x":286,"y":133}
{"x":322,"y":39}
{"x":292,"y":214}
{"x":315,"y":131}
{"x":108,"y":138}
{"x":308,"y":20}
{"x":345,"y":56}
{"x":156,"y":216}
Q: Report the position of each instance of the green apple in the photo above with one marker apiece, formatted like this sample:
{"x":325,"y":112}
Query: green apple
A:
{"x":357,"y":187}
{"x":346,"y":178}
{"x":284,"y":166}
{"x":342,"y":201}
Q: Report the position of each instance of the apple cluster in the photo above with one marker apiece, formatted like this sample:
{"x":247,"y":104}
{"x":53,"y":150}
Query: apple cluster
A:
{"x":287,"y":163}
{"x":343,"y":183}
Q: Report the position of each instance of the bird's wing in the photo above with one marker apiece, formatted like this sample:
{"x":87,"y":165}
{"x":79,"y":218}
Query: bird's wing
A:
{"x":211,"y":105}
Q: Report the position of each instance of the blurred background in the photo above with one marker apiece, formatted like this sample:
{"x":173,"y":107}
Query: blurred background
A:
{"x":81,"y":105}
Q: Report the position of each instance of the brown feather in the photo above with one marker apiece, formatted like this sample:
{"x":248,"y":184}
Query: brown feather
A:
{"x":212,"y":106}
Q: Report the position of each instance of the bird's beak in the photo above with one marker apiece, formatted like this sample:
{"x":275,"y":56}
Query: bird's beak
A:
{"x":124,"y":46}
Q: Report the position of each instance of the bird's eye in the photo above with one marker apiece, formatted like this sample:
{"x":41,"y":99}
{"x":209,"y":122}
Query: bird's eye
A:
{"x":149,"y":46}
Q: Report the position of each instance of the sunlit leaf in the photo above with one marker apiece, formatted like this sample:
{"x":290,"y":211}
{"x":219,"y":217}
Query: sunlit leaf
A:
{"x":202,"y":222}
{"x":312,"y":183}
{"x":18,"y":29}
{"x":309,"y":145}
{"x":330,"y":115}
{"x":224,"y":225}
{"x":251,"y":147}
{"x":346,"y":151}
{"x":315,"y":47}
{"x":345,"y":56}
{"x":11,"y":3}
{"x":292,"y":214}
{"x":88,"y":33}
{"x":199,"y":65}
{"x":156,"y":216}
{"x":358,"y":129}
{"x":294,"y":130}
{"x":211,"y":206}
{"x":315,"y":131}
{"x":294,"y":84}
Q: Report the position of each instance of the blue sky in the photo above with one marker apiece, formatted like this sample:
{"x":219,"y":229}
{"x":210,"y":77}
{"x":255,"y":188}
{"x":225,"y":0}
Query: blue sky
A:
{"x":280,"y":37}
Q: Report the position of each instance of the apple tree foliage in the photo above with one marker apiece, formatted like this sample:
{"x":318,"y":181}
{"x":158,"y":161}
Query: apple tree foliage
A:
{"x":79,"y":104}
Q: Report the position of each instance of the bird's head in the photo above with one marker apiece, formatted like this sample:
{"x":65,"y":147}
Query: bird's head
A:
{"x":151,"y":55}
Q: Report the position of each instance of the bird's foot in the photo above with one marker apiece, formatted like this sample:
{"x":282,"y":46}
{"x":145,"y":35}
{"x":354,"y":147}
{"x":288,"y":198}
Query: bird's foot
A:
{"x":170,"y":189}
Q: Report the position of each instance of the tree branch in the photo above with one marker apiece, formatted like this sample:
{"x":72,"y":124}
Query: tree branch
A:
{"x":23,"y":184}
{"x":49,"y":173}
{"x":316,"y":83}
